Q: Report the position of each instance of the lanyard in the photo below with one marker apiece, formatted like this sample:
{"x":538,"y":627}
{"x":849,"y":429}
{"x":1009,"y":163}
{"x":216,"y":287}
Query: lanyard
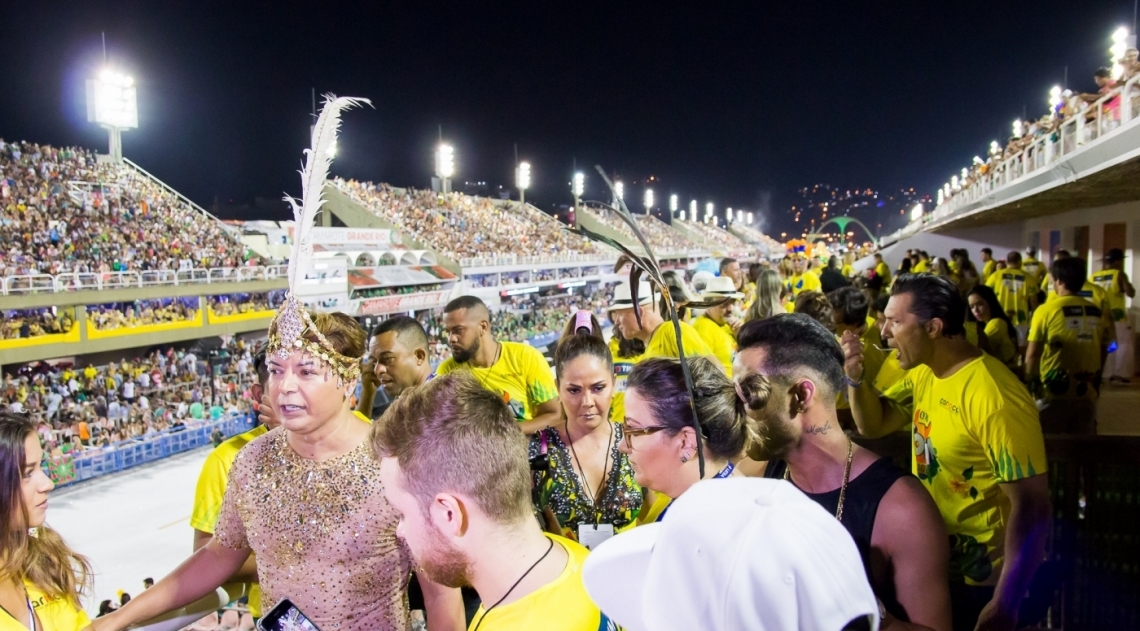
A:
{"x":723,"y":473}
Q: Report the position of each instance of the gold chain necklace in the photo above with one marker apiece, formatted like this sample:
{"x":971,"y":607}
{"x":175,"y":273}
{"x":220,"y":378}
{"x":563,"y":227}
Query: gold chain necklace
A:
{"x":846,"y":479}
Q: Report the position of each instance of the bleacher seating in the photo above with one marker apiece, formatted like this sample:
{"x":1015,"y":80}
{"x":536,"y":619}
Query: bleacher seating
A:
{"x":662,"y":238}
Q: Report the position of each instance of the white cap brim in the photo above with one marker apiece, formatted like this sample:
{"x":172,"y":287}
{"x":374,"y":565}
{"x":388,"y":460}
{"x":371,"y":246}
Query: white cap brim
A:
{"x":615,"y":574}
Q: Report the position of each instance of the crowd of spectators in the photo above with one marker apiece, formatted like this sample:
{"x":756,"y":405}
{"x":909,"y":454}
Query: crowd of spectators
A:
{"x":1065,"y":104}
{"x":230,"y":304}
{"x":142,"y":312}
{"x":718,"y":237}
{"x":23,"y":323}
{"x":462,"y":227}
{"x":660,"y":236}
{"x":379,"y":292}
{"x":81,"y":408}
{"x":122,"y":220}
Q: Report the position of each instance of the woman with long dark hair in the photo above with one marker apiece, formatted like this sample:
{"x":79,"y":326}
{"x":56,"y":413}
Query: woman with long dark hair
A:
{"x":999,"y":330}
{"x":41,"y":579}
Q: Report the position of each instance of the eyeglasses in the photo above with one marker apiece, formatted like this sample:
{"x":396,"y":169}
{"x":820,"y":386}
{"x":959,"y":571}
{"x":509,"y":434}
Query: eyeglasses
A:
{"x":631,"y":432}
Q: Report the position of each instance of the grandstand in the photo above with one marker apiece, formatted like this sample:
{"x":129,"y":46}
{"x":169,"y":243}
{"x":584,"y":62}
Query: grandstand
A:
{"x":719,"y":240}
{"x":665,"y":241}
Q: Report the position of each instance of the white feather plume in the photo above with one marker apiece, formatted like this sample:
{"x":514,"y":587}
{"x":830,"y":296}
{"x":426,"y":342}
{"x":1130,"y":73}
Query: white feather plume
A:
{"x":318,"y":158}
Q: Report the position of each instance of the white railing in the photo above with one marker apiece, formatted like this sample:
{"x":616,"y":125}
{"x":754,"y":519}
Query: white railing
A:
{"x":1075,"y":133}
{"x":514,"y":259}
{"x":180,"y":197}
{"x":98,"y":281}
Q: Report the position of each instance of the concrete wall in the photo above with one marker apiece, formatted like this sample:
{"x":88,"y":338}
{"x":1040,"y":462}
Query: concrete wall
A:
{"x":1000,"y":239}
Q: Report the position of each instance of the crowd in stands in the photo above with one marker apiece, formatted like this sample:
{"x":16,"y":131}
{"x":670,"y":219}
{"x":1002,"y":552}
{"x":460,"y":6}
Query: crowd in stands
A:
{"x":661,"y":237}
{"x":378,"y":292}
{"x":78,"y":408}
{"x":124,"y":220}
{"x":461,"y":226}
{"x":718,"y":237}
{"x":23,"y":323}
{"x":142,"y":312}
{"x":230,"y":304}
{"x":1064,"y":105}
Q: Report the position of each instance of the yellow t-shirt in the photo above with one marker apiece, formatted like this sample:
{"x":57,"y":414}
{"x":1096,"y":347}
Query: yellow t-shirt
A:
{"x":54,"y":614}
{"x":1012,"y":287}
{"x":211,"y":490}
{"x":882,"y":270}
{"x":663,"y":343}
{"x":803,"y":282}
{"x":520,"y":375}
{"x":1001,"y":342}
{"x":560,"y":605}
{"x":622,"y":368}
{"x":1072,"y":332}
{"x":718,"y":339}
{"x":919,"y":267}
{"x":1109,"y":281}
{"x":973,"y":430}
{"x":1034,"y":269}
{"x":847,"y":270}
{"x":988,"y":270}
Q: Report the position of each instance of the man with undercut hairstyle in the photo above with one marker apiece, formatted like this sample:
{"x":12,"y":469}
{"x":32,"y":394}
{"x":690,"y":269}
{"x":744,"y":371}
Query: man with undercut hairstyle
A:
{"x":893,"y":520}
{"x":516,"y":372}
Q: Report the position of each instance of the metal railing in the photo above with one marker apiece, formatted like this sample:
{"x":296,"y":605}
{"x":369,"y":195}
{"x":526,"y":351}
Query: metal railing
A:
{"x":98,"y":281}
{"x":1082,"y":129}
{"x":514,"y":259}
{"x":180,"y":197}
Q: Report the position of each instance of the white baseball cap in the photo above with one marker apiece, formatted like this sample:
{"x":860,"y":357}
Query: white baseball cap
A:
{"x":624,"y":300}
{"x":741,"y":553}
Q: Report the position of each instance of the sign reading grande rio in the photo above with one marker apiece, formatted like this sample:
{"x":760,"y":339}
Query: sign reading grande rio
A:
{"x":369,"y":237}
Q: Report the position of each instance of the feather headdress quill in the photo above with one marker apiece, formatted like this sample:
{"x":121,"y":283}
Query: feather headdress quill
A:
{"x":287,"y":331}
{"x":647,"y":266}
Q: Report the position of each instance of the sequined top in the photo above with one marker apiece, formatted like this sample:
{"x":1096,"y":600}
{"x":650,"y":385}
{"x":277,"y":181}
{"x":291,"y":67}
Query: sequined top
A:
{"x":561,"y":487}
{"x":323,"y":533}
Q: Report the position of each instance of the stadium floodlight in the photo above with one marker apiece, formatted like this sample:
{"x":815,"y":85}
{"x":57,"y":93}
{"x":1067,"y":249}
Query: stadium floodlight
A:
{"x":672,"y":204}
{"x":728,"y":215}
{"x":648,"y":200}
{"x":619,"y":190}
{"x":708,"y":210}
{"x":1018,"y":128}
{"x":965,"y":174}
{"x":445,"y":165}
{"x":1055,"y":100}
{"x":112,"y":103}
{"x":916,"y":212}
{"x":1117,"y":50}
{"x":578,"y":187}
{"x":522,"y":180}
{"x":941,"y":197}
{"x":954,"y":182}
{"x":739,"y":216}
{"x":749,"y":217}
{"x":693,"y":210}
{"x":682,"y":215}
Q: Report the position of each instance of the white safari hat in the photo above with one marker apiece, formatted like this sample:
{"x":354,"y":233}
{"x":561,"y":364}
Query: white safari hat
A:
{"x":720,"y":287}
{"x":624,"y":300}
{"x":743,"y":553}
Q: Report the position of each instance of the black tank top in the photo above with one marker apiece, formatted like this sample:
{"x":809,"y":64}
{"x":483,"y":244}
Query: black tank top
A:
{"x":859,"y":508}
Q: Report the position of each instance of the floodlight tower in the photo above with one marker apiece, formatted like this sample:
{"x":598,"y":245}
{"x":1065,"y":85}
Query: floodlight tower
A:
{"x":672,"y":207}
{"x":112,"y":104}
{"x":578,"y":188}
{"x":522,"y":180}
{"x":445,"y":166}
{"x":648,"y":200}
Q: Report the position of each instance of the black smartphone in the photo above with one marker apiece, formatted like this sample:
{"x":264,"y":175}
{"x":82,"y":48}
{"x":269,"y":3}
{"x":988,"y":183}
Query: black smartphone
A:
{"x":285,"y":616}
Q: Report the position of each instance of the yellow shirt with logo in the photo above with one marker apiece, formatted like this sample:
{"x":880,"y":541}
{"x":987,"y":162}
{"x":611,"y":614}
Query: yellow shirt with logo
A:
{"x":1072,"y":331}
{"x":719,"y":339}
{"x":1109,"y":281}
{"x":622,"y":368}
{"x":1013,"y":287}
{"x":973,"y":430}
{"x":663,"y":343}
{"x":560,"y":605}
{"x":54,"y":614}
{"x":803,"y":282}
{"x":520,"y":375}
{"x":211,"y":490}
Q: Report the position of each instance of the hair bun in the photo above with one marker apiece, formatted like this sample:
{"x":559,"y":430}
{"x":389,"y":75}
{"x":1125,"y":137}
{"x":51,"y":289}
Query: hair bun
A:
{"x":753,"y":391}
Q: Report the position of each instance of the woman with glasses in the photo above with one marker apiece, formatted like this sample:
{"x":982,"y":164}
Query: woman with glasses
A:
{"x":584,"y":485}
{"x":659,"y":436}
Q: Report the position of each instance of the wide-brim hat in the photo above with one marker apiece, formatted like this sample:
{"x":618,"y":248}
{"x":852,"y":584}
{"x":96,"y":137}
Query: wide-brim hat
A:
{"x":623,"y":299}
{"x":721,"y":287}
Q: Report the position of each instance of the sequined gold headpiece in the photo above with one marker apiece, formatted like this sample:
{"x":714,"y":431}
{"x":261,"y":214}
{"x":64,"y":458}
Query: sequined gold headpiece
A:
{"x":292,"y":329}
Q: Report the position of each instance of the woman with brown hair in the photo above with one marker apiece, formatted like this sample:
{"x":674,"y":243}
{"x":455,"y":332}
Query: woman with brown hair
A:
{"x":40,"y":577}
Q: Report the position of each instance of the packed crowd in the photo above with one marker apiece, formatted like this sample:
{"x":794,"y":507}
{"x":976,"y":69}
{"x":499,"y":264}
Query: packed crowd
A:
{"x":662,"y":238}
{"x":230,"y":304}
{"x":77,"y":408}
{"x":718,"y":237}
{"x":1064,"y":104}
{"x":22,"y":323}
{"x":142,"y":312}
{"x":123,"y":221}
{"x":461,"y":226}
{"x":379,"y":292}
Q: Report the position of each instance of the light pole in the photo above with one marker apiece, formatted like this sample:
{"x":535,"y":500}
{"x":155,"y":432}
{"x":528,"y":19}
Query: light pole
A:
{"x":445,"y":166}
{"x":673,"y":207}
{"x":693,"y":210}
{"x":619,"y":190}
{"x":750,"y":217}
{"x":708,"y":211}
{"x":578,"y":188}
{"x":522,"y":180}
{"x":648,"y":200}
{"x":113,"y":105}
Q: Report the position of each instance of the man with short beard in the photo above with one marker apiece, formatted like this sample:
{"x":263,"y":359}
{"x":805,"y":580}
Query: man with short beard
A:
{"x":893,"y":520}
{"x":455,"y":467}
{"x":516,"y":372}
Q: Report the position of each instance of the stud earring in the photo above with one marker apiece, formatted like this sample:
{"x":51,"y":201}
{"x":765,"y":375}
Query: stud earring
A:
{"x":684,"y":458}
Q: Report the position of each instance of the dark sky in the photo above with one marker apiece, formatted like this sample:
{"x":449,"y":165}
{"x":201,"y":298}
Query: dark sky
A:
{"x":721,"y":101}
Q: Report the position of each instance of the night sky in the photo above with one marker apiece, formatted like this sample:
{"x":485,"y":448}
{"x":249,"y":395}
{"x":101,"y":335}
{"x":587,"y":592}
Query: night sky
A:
{"x":721,"y":102}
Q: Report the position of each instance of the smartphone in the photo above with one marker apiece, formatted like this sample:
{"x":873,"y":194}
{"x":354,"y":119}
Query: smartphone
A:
{"x":286,"y":617}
